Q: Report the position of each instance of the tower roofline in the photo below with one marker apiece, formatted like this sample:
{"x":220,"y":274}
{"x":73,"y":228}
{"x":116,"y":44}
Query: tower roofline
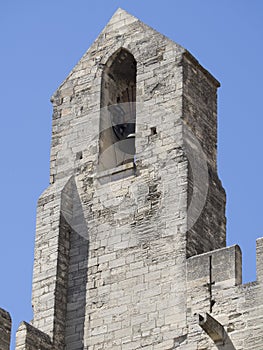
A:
{"x":124,"y":17}
{"x":210,"y":77}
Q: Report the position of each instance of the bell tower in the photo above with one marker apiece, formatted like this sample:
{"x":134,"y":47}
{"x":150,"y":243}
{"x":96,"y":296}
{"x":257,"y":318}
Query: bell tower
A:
{"x":133,"y":193}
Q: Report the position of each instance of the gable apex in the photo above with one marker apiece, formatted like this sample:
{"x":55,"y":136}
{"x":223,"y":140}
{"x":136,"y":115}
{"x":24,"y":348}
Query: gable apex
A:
{"x":122,"y":14}
{"x":126,"y":31}
{"x":122,"y":30}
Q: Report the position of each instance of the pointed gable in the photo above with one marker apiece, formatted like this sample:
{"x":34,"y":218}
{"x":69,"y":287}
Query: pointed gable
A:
{"x":123,"y":30}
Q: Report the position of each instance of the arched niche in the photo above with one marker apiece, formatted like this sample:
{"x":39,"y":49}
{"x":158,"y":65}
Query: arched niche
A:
{"x":118,"y":111}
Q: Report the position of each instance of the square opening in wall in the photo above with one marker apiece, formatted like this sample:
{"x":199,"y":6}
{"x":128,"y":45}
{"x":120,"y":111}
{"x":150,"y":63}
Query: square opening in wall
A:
{"x":153,"y":131}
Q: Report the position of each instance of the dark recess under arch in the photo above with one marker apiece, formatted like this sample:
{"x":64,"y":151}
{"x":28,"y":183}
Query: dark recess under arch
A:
{"x":118,"y":110}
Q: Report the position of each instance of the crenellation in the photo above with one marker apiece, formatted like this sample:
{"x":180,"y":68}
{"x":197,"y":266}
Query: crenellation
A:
{"x":225,"y":265}
{"x":28,"y":337}
{"x":5,"y":329}
{"x":259,"y":259}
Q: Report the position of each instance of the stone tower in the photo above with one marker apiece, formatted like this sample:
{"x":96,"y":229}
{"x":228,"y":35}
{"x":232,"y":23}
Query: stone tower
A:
{"x":130,"y":240}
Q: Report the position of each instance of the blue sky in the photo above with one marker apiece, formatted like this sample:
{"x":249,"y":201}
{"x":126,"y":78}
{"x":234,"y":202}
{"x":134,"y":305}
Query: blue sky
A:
{"x":40,"y":44}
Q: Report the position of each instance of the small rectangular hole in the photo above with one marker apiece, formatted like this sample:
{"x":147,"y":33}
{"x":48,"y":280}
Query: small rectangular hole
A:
{"x":153,"y":131}
{"x":79,"y":155}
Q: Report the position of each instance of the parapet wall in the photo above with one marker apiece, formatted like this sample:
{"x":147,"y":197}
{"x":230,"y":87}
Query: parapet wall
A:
{"x":259,"y":259}
{"x":214,"y":289}
{"x":29,"y":337}
{"x":224,"y":266}
{"x":214,"y":286}
{"x":5,"y":330}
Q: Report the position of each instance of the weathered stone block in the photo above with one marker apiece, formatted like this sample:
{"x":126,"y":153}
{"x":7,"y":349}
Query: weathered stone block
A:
{"x":130,"y":244}
{"x":5,"y":330}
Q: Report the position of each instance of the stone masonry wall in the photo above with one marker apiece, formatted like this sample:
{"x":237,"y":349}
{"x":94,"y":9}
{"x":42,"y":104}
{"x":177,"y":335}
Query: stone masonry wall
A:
{"x":200,"y":116}
{"x":30,"y":338}
{"x":238,"y":308}
{"x":5,"y":329}
{"x":116,"y":264}
{"x":135,"y":215}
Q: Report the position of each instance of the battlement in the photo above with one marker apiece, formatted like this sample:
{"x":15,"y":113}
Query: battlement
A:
{"x":223,"y":266}
{"x":259,"y":257}
{"x":27,"y":336}
{"x":214,"y":286}
{"x":218,"y":272}
{"x":5,"y":330}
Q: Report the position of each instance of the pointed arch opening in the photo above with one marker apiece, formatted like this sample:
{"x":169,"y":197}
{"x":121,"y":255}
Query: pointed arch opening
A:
{"x":118,"y":111}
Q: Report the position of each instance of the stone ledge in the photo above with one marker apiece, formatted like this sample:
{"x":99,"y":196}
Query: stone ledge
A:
{"x":117,"y":173}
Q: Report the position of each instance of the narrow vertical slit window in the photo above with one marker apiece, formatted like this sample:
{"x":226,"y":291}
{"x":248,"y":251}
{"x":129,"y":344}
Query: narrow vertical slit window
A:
{"x":118,"y":111}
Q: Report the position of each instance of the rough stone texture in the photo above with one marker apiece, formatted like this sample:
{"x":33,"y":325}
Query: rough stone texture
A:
{"x":116,"y":252}
{"x":213,"y":328}
{"x":259,"y":259}
{"x":200,"y":114}
{"x":30,"y":338}
{"x":5,"y":329}
{"x":237,"y":307}
{"x":137,"y":223}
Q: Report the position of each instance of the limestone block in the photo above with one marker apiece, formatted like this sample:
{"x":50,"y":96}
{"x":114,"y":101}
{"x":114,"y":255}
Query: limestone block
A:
{"x":5,"y":329}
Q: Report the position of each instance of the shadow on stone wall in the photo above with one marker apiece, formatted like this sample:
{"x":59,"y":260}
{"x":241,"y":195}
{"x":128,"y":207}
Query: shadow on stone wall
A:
{"x":76,"y":299}
{"x":228,"y":345}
